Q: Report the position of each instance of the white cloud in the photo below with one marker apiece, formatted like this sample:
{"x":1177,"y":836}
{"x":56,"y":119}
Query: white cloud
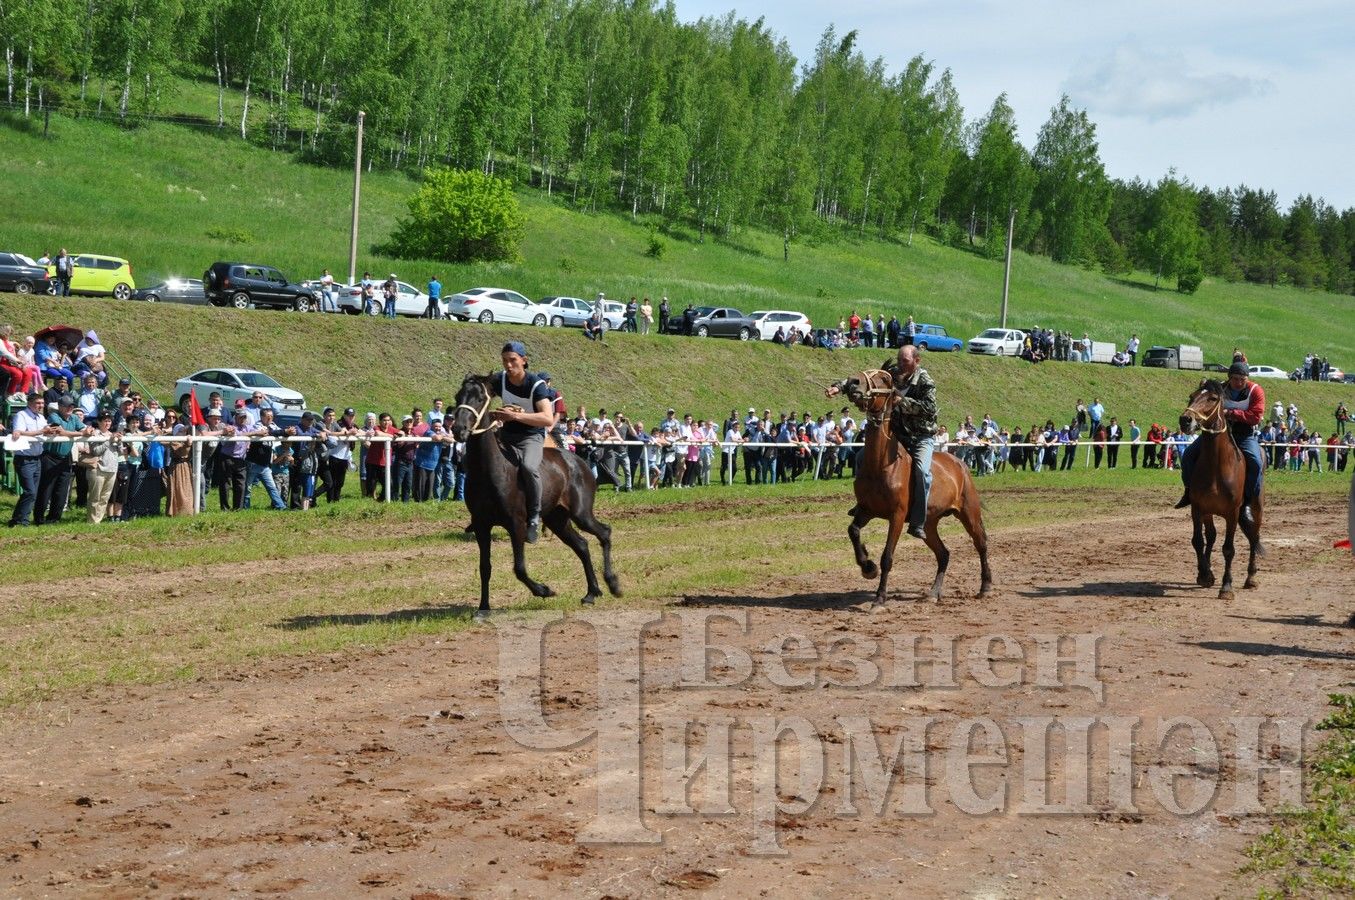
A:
{"x":1134,"y":82}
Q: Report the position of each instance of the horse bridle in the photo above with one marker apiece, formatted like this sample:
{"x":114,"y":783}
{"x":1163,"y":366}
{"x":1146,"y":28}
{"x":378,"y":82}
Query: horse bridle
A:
{"x":479,"y":416}
{"x":1202,"y":420}
{"x":869,"y":376}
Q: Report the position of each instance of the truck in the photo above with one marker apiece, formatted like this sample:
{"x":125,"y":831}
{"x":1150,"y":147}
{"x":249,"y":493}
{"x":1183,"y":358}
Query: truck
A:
{"x":1181,"y":356}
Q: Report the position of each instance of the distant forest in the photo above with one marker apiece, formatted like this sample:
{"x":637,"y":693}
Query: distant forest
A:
{"x":618,"y":105}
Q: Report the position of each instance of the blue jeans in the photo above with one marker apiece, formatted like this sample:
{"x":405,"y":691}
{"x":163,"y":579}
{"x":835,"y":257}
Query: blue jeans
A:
{"x":390,"y":308}
{"x":921,"y":451}
{"x":402,"y":480}
{"x":28,"y":469}
{"x":1251,"y":452}
{"x":444,"y":477}
{"x":259,"y":473}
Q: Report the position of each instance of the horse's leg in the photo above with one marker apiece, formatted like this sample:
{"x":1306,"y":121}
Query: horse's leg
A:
{"x":520,"y":564}
{"x":868,"y":567}
{"x":1203,"y":542}
{"x":486,"y":566}
{"x":558,"y":522}
{"x":942,"y":555}
{"x":971,"y":516}
{"x":1226,"y":589}
{"x":1253,"y":532}
{"x":887,"y":557}
{"x":588,"y":522}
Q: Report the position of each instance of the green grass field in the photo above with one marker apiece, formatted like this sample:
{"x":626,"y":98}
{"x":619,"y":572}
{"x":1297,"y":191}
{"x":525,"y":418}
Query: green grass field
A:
{"x":157,"y":194}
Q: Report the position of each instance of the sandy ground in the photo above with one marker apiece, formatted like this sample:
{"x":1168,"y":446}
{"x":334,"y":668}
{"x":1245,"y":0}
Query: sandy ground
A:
{"x":393,"y":773}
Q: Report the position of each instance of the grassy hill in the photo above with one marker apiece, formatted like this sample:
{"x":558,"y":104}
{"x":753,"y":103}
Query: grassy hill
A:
{"x":375,"y":364}
{"x":173,"y":199}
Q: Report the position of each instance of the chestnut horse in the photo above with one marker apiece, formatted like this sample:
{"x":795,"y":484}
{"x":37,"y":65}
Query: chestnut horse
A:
{"x":884,"y":481}
{"x":1216,"y":488}
{"x":494,"y":498}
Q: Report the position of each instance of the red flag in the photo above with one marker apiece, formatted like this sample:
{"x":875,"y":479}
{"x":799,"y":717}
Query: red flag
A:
{"x":195,"y":418}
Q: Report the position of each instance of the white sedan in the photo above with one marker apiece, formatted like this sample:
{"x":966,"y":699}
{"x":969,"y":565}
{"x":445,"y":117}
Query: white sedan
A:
{"x":998,"y":342}
{"x":410,"y":301}
{"x":768,"y":320}
{"x":1266,"y":372}
{"x":489,"y":305}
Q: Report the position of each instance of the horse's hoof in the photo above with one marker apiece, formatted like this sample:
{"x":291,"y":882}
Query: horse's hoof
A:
{"x":870,"y":570}
{"x":1226,"y":595}
{"x":1249,"y":584}
{"x":984,"y":591}
{"x":481,"y":615}
{"x":1205,"y":581}
{"x":613,"y":584}
{"x":589,"y":599}
{"x":543,"y":590}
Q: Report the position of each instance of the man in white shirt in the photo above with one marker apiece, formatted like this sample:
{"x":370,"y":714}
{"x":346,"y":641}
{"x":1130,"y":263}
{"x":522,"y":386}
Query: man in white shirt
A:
{"x":29,"y":423}
{"x":1132,"y":348}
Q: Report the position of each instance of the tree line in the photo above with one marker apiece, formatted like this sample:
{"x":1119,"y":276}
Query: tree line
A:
{"x":615,"y":104}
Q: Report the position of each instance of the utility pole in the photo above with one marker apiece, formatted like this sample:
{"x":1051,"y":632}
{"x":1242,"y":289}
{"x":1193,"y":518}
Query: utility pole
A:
{"x":1007,"y":271}
{"x":357,"y":196}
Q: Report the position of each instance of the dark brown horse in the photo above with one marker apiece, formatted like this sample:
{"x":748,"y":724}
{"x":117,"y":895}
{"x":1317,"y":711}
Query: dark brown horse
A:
{"x":494,"y":497}
{"x":883,"y":485}
{"x":1217,"y":482}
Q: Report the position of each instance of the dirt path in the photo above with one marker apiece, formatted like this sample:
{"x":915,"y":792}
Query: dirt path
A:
{"x":392,"y":773}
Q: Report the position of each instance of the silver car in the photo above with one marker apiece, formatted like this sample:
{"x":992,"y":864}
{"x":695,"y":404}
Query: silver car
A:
{"x":489,"y":305}
{"x":566,"y":312}
{"x":237,"y":384}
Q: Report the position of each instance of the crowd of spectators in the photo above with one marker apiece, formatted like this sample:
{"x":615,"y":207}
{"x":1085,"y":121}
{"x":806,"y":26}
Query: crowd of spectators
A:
{"x":93,"y":450}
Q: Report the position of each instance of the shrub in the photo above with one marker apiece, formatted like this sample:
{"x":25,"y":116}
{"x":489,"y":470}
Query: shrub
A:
{"x":1188,"y":281}
{"x":460,"y":216}
{"x":656,"y":247}
{"x":230,"y":235}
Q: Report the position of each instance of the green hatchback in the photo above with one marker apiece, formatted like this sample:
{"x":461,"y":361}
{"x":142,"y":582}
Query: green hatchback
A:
{"x":95,"y":274}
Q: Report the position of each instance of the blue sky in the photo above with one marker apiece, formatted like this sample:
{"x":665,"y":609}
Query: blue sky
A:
{"x":1227,"y":93}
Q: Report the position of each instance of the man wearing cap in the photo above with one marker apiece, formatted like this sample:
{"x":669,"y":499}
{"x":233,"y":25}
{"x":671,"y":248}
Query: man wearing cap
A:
{"x":307,"y":458}
{"x":526,"y":414}
{"x":57,"y":389}
{"x":339,"y":452}
{"x":28,"y":422}
{"x":55,"y":483}
{"x":259,"y":458}
{"x":115,"y":398}
{"x":234,"y":467}
{"x":1244,"y":405}
{"x":390,"y":289}
{"x":915,"y":425}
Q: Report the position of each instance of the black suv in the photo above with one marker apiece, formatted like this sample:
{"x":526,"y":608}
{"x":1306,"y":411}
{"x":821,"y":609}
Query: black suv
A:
{"x":21,"y":275}
{"x":240,"y":284}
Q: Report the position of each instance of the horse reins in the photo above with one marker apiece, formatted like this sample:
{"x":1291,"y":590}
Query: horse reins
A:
{"x":1202,"y":419}
{"x":876,"y":419}
{"x":479,"y":416}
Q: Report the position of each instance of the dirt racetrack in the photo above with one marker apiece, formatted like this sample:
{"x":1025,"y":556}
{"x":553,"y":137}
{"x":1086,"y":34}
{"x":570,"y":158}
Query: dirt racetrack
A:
{"x":392,"y":774}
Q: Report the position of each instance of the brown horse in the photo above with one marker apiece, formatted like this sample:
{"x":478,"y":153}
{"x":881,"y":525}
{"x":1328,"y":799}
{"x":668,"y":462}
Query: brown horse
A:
{"x":1216,"y":488}
{"x":883,"y":484}
{"x":494,"y":498}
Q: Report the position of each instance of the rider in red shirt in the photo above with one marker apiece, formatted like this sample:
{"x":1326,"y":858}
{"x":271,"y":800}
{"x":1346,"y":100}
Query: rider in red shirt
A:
{"x":1244,"y":405}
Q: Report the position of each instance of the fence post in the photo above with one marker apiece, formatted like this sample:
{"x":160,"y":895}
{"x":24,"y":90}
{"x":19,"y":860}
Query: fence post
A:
{"x":197,"y":475}
{"x":390,"y":458}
